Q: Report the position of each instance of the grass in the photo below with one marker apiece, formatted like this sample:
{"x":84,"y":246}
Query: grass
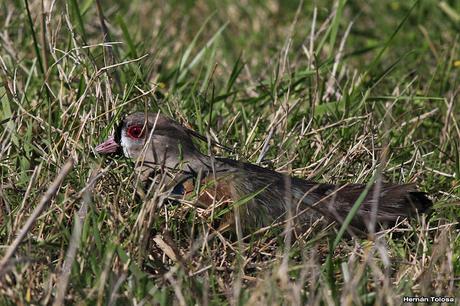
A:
{"x":330,"y":92}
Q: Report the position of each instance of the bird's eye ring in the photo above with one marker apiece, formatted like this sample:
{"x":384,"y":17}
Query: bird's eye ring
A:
{"x":135,"y":131}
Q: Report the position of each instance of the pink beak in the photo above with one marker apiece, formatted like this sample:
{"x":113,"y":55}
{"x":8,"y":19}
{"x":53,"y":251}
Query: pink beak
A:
{"x":108,"y":146}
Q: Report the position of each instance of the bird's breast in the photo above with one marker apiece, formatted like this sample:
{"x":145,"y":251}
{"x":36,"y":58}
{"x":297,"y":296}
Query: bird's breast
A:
{"x":207,"y":191}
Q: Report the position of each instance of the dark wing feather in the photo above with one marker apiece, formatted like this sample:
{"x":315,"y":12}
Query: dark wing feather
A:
{"x":310,"y":200}
{"x":393,"y":202}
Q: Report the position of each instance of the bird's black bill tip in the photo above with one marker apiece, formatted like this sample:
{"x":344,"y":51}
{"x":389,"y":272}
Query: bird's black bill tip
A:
{"x":110,"y":146}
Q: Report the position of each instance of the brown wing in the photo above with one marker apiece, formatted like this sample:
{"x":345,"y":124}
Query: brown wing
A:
{"x":271,"y":194}
{"x":393,"y":202}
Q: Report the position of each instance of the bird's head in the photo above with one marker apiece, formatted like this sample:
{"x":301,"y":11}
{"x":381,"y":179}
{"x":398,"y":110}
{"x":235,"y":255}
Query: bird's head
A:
{"x":151,"y":138}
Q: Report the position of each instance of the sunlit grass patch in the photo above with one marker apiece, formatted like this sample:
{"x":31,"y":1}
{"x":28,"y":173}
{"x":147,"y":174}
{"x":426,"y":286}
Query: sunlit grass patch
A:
{"x":317,"y":92}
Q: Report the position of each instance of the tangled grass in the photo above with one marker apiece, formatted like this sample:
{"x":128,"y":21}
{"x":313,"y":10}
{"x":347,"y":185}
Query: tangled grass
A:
{"x":331,"y":92}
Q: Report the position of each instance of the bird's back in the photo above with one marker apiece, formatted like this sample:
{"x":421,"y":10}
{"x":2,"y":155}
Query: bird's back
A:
{"x":264,"y":197}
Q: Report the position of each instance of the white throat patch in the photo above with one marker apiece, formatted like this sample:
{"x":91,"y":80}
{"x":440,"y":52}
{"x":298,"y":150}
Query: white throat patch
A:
{"x":125,"y":143}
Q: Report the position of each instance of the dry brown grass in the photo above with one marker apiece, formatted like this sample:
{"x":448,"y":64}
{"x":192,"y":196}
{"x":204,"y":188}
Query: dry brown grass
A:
{"x":317,"y":92}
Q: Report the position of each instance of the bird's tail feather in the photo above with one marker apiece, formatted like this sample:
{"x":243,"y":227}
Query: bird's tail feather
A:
{"x":393,"y":202}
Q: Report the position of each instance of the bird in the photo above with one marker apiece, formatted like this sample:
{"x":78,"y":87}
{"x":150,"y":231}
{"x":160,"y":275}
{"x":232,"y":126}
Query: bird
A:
{"x":254,"y":197}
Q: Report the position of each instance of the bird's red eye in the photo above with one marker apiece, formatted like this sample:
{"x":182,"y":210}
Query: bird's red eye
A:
{"x":135,"y":131}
